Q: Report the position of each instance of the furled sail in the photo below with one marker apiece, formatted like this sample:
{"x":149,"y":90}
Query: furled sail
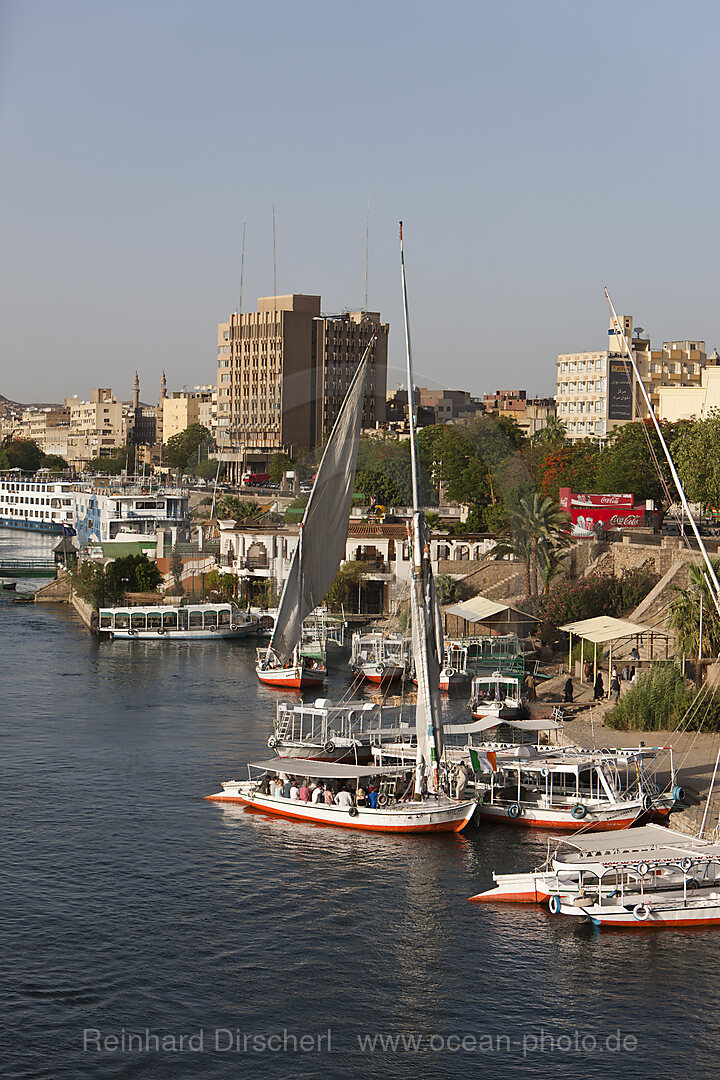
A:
{"x":323,"y":532}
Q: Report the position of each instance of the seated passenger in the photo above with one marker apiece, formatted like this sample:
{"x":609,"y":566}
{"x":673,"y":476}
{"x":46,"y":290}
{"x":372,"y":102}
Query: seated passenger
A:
{"x":328,"y":797}
{"x":294,"y":791}
{"x":343,"y":799}
{"x":303,"y":794}
{"x":360,"y":797}
{"x":318,"y":794}
{"x":372,"y":798}
{"x":286,"y":789}
{"x":278,"y":788}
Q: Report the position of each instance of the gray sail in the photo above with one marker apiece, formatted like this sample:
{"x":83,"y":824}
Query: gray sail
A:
{"x":428,"y":656}
{"x":323,"y":532}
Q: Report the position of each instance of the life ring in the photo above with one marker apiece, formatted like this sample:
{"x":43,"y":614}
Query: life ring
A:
{"x":513,"y":810}
{"x":161,"y":629}
{"x":234,"y":626}
{"x":647,"y":802}
{"x":554,"y":905}
{"x":641,"y":912}
{"x":329,"y":747}
{"x":579,"y":811}
{"x":353,"y":811}
{"x":132,"y":633}
{"x":450,"y":672}
{"x":212,"y":628}
{"x":272,"y":742}
{"x":352,"y":716}
{"x":382,"y":800}
{"x":678,"y":793}
{"x":545,"y":772}
{"x":643,"y":869}
{"x":686,"y":864}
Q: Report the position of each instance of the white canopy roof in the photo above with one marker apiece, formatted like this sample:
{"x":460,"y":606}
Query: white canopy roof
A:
{"x":480,"y":608}
{"x":604,"y":628}
{"x":488,"y":722}
{"x":324,"y":769}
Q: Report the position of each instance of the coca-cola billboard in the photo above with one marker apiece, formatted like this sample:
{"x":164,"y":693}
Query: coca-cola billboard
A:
{"x":590,"y":511}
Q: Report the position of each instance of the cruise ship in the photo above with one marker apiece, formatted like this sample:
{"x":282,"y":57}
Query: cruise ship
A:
{"x":100,"y":511}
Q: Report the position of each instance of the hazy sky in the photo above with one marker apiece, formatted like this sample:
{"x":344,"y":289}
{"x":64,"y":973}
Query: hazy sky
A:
{"x":536,"y":152}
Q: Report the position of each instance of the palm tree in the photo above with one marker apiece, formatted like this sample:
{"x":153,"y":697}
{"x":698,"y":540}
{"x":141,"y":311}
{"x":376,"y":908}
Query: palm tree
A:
{"x":552,"y":434}
{"x":684,"y":615}
{"x":243,"y":511}
{"x":538,"y":531}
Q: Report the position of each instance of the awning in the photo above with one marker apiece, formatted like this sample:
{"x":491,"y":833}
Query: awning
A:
{"x":604,"y":628}
{"x":480,"y":608}
{"x":488,"y":722}
{"x":324,"y":769}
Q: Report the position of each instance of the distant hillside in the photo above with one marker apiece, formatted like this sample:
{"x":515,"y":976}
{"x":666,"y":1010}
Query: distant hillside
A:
{"x":8,"y":407}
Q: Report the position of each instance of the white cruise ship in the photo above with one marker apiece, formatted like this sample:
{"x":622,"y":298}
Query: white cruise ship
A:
{"x":99,"y":511}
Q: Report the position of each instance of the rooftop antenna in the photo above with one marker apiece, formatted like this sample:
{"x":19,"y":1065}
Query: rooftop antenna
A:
{"x":242,"y":268}
{"x":274,"y":257}
{"x":367,"y":251}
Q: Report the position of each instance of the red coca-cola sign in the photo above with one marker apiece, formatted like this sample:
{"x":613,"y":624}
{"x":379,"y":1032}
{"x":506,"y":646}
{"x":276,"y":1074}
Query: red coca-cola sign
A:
{"x":587,"y":512}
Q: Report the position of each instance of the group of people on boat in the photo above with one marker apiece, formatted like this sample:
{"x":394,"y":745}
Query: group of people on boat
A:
{"x":324,"y":791}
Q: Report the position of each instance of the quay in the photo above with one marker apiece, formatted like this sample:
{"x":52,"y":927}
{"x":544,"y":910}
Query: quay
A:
{"x":35,"y":566}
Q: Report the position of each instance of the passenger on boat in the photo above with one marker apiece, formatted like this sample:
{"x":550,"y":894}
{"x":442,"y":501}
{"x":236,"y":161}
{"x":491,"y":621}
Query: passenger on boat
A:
{"x":462,"y":776}
{"x":286,"y":788}
{"x":278,"y":788}
{"x":318,"y":794}
{"x":372,"y":798}
{"x":265,"y":786}
{"x":343,"y":799}
{"x":360,"y":798}
{"x":328,"y":797}
{"x":294,"y":791}
{"x":304,"y":792}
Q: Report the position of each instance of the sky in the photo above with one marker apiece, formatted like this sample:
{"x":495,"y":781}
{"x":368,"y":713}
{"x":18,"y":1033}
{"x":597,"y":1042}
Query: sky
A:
{"x":536,"y":153}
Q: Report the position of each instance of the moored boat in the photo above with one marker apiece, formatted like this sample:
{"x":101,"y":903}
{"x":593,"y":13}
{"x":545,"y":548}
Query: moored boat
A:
{"x":296,"y":673}
{"x":379,"y":658}
{"x":159,"y":622}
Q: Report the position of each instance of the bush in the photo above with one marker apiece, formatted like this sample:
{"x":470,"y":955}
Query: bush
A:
{"x":661,"y":699}
{"x":598,"y":594}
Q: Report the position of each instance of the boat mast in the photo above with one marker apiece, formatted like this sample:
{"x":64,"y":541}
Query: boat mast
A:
{"x":619,"y":332}
{"x":427,"y":715}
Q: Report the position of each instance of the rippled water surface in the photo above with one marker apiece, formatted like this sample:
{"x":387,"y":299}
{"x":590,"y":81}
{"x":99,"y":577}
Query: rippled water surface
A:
{"x":134,"y":908}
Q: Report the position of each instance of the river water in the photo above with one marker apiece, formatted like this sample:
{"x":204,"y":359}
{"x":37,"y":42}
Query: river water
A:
{"x":148,"y":933}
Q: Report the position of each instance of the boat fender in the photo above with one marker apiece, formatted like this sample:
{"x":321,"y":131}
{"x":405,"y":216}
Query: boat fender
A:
{"x":352,"y":716}
{"x":272,"y":742}
{"x":450,"y":672}
{"x":234,"y":626}
{"x":161,"y":629}
{"x":678,"y":793}
{"x":514,"y":810}
{"x":643,"y":869}
{"x":382,"y":800}
{"x":329,"y":747}
{"x":545,"y":771}
{"x":579,"y":811}
{"x":212,"y":628}
{"x":686,"y":864}
{"x":641,"y":912}
{"x":647,"y":802}
{"x":353,"y":811}
{"x":554,"y":905}
{"x":132,"y":633}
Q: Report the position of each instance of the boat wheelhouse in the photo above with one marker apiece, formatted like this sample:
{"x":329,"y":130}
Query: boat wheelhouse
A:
{"x":497,"y":696}
{"x":192,"y":622}
{"x":380,"y":658}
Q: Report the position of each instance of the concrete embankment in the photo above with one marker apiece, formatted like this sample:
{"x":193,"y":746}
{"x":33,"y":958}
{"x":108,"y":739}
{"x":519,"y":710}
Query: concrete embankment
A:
{"x":60,"y":591}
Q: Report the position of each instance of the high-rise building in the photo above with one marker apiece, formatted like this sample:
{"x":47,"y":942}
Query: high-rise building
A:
{"x":282,"y":375}
{"x":596,"y":391}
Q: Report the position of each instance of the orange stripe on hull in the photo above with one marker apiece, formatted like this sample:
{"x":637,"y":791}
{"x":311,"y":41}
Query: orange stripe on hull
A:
{"x":291,"y":684}
{"x":510,"y":898}
{"x":352,"y":823}
{"x":648,"y":924}
{"x":574,"y":825}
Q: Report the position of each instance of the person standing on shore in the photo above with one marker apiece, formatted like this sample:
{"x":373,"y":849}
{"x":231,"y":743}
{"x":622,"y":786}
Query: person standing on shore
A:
{"x":599,"y":688}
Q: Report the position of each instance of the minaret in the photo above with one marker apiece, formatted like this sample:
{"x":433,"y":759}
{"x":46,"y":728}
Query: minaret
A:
{"x":136,"y":392}
{"x":163,"y":388}
{"x":159,"y":411}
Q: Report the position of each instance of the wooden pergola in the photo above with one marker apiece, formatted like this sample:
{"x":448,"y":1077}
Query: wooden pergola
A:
{"x":604,"y":629}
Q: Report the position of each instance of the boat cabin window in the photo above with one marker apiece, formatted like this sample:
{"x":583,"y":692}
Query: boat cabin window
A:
{"x":196,"y":620}
{"x":211,"y":618}
{"x":137,"y":620}
{"x":182,"y":618}
{"x":224,"y":617}
{"x":564,"y":781}
{"x":122,"y":620}
{"x":154,"y":620}
{"x":106,"y":621}
{"x":170,"y":620}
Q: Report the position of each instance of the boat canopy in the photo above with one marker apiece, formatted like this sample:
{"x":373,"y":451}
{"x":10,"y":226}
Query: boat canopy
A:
{"x":488,"y":722}
{"x":645,"y":838}
{"x":324,"y":769}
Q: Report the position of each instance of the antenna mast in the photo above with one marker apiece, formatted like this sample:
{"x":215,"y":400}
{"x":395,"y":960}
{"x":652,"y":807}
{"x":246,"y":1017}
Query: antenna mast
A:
{"x":274,"y":257}
{"x":242,"y":268}
{"x":367,"y":251}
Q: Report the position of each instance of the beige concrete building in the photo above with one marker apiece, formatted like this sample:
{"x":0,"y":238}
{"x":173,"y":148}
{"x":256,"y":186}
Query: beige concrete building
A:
{"x":97,"y":427}
{"x":596,"y":390}
{"x":691,"y":402}
{"x":49,"y":428}
{"x":185,"y":407}
{"x":282,"y":374}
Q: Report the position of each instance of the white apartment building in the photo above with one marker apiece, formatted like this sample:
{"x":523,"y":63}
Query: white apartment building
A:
{"x":596,"y":390}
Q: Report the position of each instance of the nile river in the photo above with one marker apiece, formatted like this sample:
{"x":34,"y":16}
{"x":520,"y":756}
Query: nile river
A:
{"x":150,"y":934}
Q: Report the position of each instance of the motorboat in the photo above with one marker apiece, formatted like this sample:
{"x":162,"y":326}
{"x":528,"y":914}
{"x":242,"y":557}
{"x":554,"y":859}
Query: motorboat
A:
{"x":378,"y":657}
{"x":160,"y":622}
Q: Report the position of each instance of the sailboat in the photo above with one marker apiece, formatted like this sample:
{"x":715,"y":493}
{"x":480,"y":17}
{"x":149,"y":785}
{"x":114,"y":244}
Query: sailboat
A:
{"x":320,"y":548}
{"x":411,"y":799}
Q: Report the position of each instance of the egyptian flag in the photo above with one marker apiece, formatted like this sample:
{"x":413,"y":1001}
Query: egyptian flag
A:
{"x":483,"y":760}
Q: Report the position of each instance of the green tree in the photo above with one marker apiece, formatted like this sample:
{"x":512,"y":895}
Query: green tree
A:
{"x":343,"y":592}
{"x":112,"y":465}
{"x":131,"y":573}
{"x":684,"y":615}
{"x":279,"y":465}
{"x":23,"y":454}
{"x":696,"y":452}
{"x":536,"y":524}
{"x":54,"y":463}
{"x":450,"y":459}
{"x":186,"y":446}
{"x":246,"y":511}
{"x":176,"y":569}
{"x":552,"y":434}
{"x":627,"y":462}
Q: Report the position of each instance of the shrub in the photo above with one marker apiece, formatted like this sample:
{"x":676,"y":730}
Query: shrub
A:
{"x":597,"y":594}
{"x":662,"y":699}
